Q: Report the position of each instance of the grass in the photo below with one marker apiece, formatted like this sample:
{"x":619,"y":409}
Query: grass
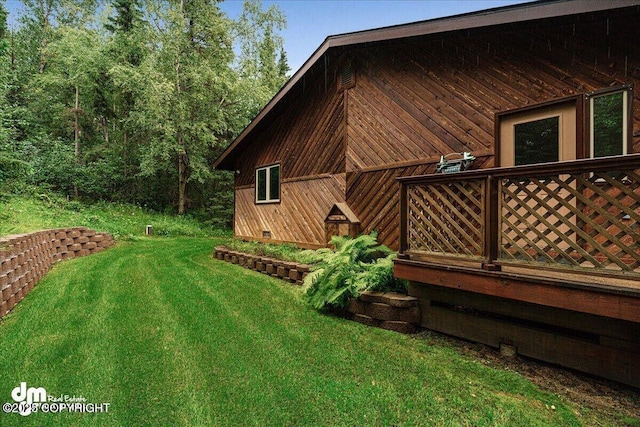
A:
{"x":284,"y":252}
{"x":20,"y":214}
{"x":169,"y":336}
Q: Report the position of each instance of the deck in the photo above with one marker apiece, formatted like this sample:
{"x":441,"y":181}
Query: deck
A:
{"x":553,"y":248}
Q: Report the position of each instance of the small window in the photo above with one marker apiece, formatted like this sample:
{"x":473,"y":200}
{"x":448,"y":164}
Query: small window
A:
{"x":608,"y":124}
{"x":537,"y":141}
{"x":268,"y":184}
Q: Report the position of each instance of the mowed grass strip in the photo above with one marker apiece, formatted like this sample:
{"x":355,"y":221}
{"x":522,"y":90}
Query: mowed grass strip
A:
{"x":168,"y":336}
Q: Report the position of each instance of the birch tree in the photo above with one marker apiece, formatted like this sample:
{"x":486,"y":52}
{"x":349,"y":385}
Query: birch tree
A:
{"x":262,"y":64}
{"x":188,"y":86}
{"x":64,"y":90}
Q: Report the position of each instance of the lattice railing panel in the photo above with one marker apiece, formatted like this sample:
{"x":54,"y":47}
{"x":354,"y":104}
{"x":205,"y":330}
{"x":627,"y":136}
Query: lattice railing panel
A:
{"x":585,"y":221}
{"x":446,"y":218}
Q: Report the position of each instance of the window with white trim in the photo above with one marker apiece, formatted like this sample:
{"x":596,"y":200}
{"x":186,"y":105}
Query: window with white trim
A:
{"x":608,"y":123}
{"x":268,"y":184}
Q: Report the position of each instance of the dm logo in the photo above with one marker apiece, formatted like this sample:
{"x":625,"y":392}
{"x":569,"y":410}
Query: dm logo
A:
{"x":28,"y":395}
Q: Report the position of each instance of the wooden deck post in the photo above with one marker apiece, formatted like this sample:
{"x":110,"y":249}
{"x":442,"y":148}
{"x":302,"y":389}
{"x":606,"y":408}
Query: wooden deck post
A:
{"x":491,"y":231}
{"x":403,"y":218}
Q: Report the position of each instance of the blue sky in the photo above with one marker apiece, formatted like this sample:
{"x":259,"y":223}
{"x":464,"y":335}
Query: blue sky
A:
{"x":309,"y":22}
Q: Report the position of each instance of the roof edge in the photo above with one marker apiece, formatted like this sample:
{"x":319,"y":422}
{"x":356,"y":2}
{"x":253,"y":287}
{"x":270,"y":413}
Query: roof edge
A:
{"x":522,"y":12}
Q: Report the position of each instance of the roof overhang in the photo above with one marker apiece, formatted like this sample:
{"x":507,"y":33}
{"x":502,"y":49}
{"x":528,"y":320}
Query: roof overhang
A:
{"x":524,"y":12}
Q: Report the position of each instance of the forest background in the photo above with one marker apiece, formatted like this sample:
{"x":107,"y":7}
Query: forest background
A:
{"x":132,"y":100}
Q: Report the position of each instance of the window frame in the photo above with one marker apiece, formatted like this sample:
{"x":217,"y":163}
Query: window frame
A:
{"x":574,"y":101}
{"x":583,"y":105}
{"x":627,"y":105}
{"x":267,"y":169}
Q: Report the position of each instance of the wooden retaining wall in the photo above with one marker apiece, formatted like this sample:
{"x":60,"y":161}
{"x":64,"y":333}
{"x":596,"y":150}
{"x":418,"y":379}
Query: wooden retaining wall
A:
{"x":390,"y":310}
{"x":26,"y":258}
{"x":289,"y":271}
{"x":386,"y":310}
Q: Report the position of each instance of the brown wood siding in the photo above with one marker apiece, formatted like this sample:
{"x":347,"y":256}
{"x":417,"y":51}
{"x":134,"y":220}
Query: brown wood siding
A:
{"x":299,"y":218}
{"x":307,"y":138}
{"x":420,"y":98}
{"x":375,"y":198}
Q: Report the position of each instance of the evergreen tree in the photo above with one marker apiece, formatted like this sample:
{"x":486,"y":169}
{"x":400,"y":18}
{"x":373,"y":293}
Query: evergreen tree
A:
{"x":118,"y":91}
{"x":3,"y":27}
{"x":128,"y":16}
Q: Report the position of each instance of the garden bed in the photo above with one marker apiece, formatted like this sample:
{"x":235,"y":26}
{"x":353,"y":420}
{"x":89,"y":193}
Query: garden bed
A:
{"x":291,"y":272}
{"x":387,"y":310}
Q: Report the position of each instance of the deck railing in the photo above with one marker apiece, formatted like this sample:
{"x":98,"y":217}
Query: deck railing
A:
{"x":579,"y":216}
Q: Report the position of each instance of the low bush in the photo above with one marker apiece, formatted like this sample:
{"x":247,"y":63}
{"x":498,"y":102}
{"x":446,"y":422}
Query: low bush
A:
{"x":355,"y":266}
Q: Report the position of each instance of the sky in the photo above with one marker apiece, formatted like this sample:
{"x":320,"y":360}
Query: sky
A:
{"x":310,"y":22}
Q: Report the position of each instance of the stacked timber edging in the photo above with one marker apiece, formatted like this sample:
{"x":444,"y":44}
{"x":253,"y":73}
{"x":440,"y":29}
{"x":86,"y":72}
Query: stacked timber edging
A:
{"x":26,"y":258}
{"x":289,"y":271}
{"x":390,"y":310}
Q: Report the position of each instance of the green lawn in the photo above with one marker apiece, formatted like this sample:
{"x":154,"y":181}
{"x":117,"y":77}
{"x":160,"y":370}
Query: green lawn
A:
{"x":169,"y":336}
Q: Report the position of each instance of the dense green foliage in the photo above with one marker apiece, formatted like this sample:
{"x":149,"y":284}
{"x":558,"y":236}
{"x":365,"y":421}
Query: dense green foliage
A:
{"x":170,"y":337}
{"x":355,"y":266}
{"x":133,"y":100}
{"x":608,"y":124}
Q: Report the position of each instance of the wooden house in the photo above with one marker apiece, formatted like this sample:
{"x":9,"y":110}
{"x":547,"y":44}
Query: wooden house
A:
{"x":536,"y":248}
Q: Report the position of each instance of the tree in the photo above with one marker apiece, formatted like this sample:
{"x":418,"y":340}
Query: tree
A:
{"x":5,"y":157}
{"x":3,"y":27}
{"x":11,"y":166}
{"x":188,"y":84}
{"x":63,"y":90}
{"x":138,"y":104}
{"x":262,"y":64}
{"x":127,"y":18}
{"x":44,"y":16}
{"x":119,"y":92}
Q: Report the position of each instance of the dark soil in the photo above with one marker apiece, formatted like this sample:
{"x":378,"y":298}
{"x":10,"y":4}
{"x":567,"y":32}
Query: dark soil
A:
{"x":596,"y":401}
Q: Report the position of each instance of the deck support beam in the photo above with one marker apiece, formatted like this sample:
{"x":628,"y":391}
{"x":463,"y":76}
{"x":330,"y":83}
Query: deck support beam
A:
{"x":616,"y":303}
